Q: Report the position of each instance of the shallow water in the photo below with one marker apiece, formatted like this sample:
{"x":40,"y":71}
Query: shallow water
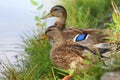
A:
{"x":11,"y":54}
{"x":17,"y":17}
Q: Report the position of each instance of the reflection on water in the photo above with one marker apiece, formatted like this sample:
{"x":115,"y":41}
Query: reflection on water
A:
{"x":10,"y":49}
{"x":11,"y":53}
{"x":16,"y":17}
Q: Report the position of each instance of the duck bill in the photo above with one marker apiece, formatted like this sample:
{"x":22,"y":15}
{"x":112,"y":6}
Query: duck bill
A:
{"x":43,"y":37}
{"x":47,"y":16}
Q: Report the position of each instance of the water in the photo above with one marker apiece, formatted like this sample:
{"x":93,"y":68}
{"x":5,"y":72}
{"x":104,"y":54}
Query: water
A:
{"x":11,"y":54}
{"x":17,"y":17}
{"x":8,"y":50}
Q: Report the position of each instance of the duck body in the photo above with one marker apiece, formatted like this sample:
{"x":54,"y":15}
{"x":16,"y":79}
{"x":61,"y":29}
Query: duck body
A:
{"x":65,"y":55}
{"x":95,"y":36}
{"x":70,"y":57}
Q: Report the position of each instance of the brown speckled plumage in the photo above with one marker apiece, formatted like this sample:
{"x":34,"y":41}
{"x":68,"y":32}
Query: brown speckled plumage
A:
{"x":69,"y":33}
{"x":64,"y":55}
{"x":96,"y":35}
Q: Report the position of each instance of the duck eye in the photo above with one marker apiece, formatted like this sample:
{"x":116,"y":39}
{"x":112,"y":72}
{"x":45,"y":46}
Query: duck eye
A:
{"x":80,"y":37}
{"x":48,"y":30}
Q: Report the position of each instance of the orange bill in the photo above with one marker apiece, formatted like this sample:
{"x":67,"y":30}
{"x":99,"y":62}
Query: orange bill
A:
{"x":43,"y":37}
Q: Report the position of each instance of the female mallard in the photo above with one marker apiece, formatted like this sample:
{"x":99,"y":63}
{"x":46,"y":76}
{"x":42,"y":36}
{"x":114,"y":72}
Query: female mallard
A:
{"x":92,"y":36}
{"x":66,"y":56}
{"x":85,"y":37}
{"x":85,"y":40}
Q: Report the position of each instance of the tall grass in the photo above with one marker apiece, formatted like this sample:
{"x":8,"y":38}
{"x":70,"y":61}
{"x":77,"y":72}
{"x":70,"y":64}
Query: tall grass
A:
{"x":116,"y":18}
{"x":39,"y":65}
{"x":87,"y":14}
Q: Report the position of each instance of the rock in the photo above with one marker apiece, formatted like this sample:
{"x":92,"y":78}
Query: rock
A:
{"x":114,"y":75}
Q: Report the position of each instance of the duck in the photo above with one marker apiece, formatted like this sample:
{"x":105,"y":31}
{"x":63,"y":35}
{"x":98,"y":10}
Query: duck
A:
{"x":67,"y":56}
{"x":85,"y":37}
{"x":100,"y":47}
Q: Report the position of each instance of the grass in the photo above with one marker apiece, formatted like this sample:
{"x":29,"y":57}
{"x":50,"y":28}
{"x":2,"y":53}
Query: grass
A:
{"x":88,"y":14}
{"x":82,"y":14}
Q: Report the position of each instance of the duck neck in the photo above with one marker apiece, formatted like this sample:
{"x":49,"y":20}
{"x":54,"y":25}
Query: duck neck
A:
{"x":60,"y":23}
{"x":60,"y":41}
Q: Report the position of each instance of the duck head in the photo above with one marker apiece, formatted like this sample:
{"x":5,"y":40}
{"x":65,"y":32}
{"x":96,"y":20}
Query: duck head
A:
{"x":55,"y":34}
{"x":60,"y":13}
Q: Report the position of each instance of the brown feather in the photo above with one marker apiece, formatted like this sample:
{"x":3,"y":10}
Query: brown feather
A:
{"x":64,"y":55}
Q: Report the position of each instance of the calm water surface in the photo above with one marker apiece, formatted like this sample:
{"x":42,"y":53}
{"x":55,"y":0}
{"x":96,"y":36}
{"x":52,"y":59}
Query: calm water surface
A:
{"x":17,"y":17}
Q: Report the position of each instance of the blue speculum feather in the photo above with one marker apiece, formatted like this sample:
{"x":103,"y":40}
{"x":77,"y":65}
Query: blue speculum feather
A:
{"x":81,"y":37}
{"x":71,"y":79}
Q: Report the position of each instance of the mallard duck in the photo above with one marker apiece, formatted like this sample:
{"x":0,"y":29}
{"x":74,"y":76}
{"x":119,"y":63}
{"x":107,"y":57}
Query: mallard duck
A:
{"x":67,"y":56}
{"x":89,"y":36}
{"x":85,"y":40}
{"x":60,"y":13}
{"x":85,"y":37}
